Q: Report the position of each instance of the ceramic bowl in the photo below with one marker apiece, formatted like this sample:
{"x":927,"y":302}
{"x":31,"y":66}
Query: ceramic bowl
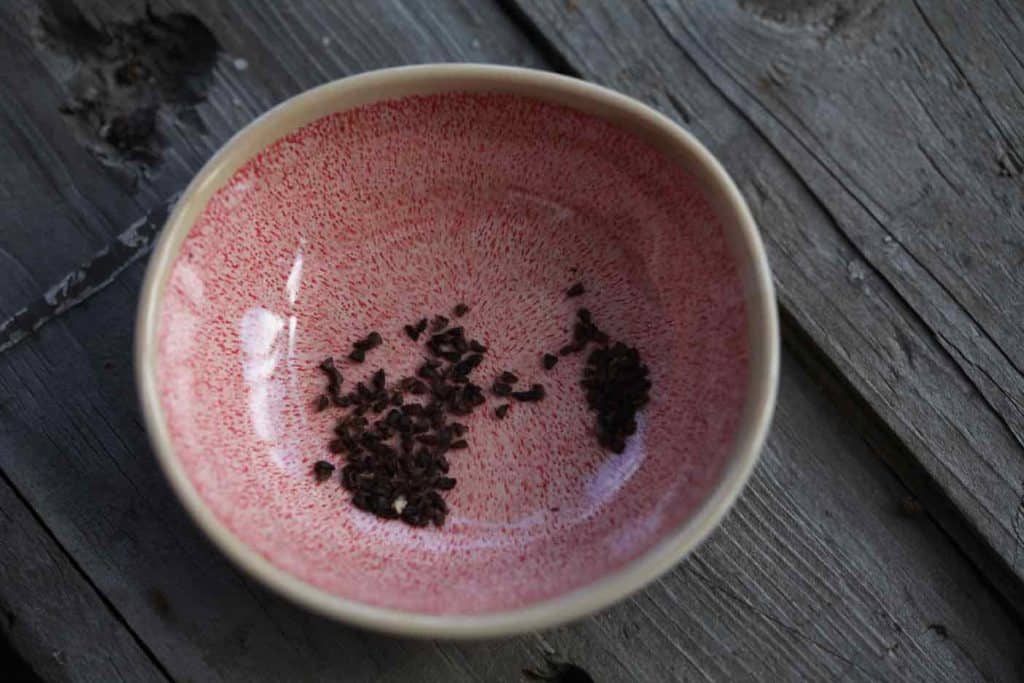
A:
{"x":373,"y":201}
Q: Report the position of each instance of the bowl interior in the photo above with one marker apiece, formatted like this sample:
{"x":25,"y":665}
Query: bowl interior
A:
{"x":373,"y":217}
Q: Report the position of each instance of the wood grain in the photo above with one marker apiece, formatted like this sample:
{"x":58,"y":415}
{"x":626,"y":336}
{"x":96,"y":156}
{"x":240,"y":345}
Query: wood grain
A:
{"x":816,"y":574}
{"x":843,"y":277}
{"x":52,"y":615}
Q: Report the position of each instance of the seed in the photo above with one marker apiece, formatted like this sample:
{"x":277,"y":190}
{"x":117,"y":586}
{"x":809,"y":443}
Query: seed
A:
{"x":357,"y":356}
{"x":458,"y":445}
{"x":334,"y":378}
{"x":412,"y":332}
{"x":322,"y":470}
{"x":535,"y":393}
{"x":584,"y":315}
{"x":466,"y":366}
{"x":460,"y":310}
{"x":501,"y":411}
{"x":445,"y":483}
{"x":322,"y":402}
{"x":509,"y":377}
{"x":575,"y":290}
{"x":379,"y":379}
{"x":477,"y":347}
{"x":501,"y":389}
{"x":549,"y":361}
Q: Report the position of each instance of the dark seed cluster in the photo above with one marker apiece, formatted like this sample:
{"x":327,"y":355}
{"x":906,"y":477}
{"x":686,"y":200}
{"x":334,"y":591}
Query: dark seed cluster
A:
{"x":614,"y":378}
{"x":617,"y":385}
{"x":396,"y":436}
{"x":396,"y":463}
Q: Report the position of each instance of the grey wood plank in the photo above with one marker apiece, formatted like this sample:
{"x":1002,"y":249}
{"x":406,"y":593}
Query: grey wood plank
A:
{"x":858,"y":288}
{"x":815,"y":574}
{"x":52,"y":615}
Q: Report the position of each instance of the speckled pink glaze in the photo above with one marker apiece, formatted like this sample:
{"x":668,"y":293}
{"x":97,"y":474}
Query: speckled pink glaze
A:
{"x":372,"y":218}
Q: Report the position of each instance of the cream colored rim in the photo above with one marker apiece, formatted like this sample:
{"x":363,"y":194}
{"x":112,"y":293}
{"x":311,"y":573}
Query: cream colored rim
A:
{"x":433,"y":78}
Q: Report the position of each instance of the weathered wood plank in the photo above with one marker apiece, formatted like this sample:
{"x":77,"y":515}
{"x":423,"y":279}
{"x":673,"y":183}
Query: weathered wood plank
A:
{"x":50,"y":613}
{"x":931,"y":373}
{"x":815,"y":574}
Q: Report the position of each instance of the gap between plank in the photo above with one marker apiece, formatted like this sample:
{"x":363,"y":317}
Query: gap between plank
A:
{"x":88,"y":580}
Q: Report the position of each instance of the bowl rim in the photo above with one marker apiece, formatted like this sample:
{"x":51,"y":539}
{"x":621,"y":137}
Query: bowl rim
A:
{"x":759,"y":403}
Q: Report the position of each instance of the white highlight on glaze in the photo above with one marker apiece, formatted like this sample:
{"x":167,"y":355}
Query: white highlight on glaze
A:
{"x":294,"y":278}
{"x":615,"y":472}
{"x":260,"y":332}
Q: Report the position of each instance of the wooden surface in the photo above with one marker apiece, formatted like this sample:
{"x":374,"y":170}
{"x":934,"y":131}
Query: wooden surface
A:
{"x":877,"y":144}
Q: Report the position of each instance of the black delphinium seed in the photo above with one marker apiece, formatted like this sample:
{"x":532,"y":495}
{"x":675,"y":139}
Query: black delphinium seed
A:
{"x":379,"y":379}
{"x":477,"y":347}
{"x":370,"y":341}
{"x":549,"y":361}
{"x":466,"y":365}
{"x":334,"y":378}
{"x":322,"y":470}
{"x":357,"y":355}
{"x":458,"y":445}
{"x":501,"y":389}
{"x":575,"y":290}
{"x":501,"y":411}
{"x":322,"y":402}
{"x":412,"y":332}
{"x":534,"y":393}
{"x":460,"y":310}
{"x":508,"y":377}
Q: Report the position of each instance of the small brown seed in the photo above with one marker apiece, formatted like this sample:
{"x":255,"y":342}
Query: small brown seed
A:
{"x":322,"y":470}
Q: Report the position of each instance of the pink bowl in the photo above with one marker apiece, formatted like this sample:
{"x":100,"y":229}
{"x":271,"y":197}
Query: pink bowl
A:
{"x":379,"y":199}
